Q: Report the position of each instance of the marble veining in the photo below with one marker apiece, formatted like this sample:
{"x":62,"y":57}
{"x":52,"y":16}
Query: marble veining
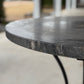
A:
{"x":58,"y":36}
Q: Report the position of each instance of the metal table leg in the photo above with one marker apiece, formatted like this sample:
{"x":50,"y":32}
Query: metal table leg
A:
{"x":83,"y":71}
{"x":62,"y":68}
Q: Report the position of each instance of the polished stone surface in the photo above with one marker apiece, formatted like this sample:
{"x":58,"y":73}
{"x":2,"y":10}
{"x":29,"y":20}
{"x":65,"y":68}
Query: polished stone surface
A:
{"x":59,"y":36}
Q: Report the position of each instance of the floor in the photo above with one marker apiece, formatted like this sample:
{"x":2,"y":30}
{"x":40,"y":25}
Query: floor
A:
{"x":73,"y":12}
{"x":19,"y":65}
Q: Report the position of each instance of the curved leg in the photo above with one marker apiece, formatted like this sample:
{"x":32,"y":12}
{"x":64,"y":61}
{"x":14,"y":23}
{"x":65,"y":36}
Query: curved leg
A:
{"x":62,"y":68}
{"x":83,"y":71}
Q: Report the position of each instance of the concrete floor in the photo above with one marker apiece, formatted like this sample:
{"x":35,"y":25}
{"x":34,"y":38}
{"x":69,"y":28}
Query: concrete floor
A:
{"x":19,"y":65}
{"x":73,"y":12}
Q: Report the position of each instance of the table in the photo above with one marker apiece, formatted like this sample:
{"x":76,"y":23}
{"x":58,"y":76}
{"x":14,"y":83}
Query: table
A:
{"x":53,"y":35}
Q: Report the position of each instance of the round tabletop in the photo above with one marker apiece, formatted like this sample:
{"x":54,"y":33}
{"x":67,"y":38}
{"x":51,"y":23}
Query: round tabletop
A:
{"x":57,"y":35}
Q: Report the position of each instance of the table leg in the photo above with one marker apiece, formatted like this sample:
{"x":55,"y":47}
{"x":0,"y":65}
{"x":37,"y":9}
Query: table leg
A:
{"x":62,"y":68}
{"x":83,"y":71}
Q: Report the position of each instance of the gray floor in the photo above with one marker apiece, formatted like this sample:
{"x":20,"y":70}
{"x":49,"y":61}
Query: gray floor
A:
{"x":19,"y":65}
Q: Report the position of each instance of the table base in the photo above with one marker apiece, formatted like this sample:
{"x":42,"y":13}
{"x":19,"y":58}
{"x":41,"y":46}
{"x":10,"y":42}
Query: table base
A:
{"x":62,"y":68}
{"x":83,"y":71}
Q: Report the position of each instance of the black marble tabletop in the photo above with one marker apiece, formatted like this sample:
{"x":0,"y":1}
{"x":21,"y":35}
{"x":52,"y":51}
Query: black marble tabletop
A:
{"x":58,"y":36}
